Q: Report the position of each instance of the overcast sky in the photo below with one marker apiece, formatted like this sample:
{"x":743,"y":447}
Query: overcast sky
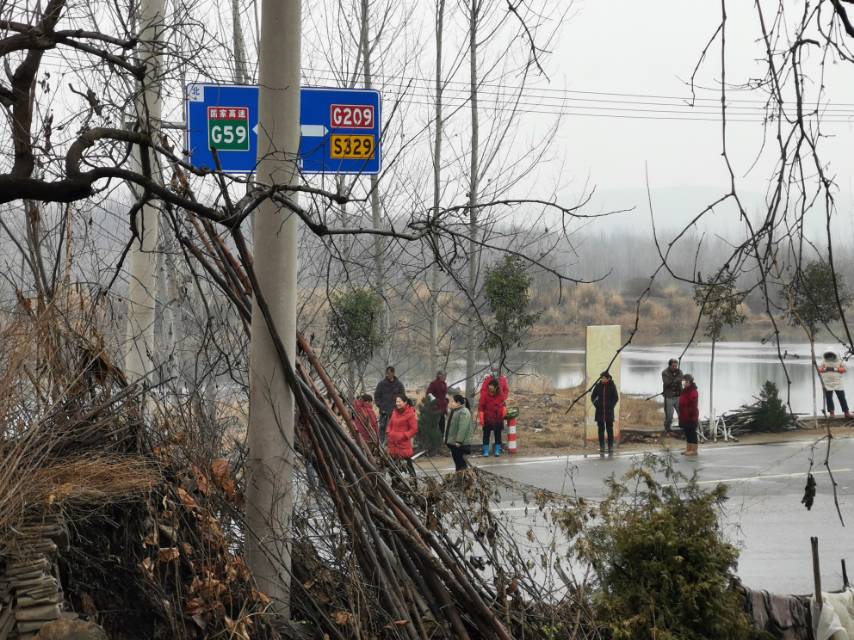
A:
{"x":650,"y":49}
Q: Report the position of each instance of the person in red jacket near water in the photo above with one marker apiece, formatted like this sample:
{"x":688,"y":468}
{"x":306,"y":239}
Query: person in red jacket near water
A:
{"x":491,"y":410}
{"x":439,"y":390}
{"x":367,"y":425}
{"x":402,"y":427}
{"x":689,"y":413}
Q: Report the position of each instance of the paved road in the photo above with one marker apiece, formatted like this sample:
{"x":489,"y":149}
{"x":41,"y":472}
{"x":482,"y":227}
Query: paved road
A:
{"x":764,"y":515}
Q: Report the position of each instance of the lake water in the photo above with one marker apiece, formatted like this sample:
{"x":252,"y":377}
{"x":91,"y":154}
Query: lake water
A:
{"x":741,"y":368}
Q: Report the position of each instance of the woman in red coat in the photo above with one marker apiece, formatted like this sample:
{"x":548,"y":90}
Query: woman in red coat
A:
{"x":402,"y":427}
{"x":689,"y":413}
{"x":366,"y":419}
{"x":492,"y":409}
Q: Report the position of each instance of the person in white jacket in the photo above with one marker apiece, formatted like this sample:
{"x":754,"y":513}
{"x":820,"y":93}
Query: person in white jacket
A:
{"x":832,"y":369}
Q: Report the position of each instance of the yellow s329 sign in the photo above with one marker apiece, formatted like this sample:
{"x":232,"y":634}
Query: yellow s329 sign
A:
{"x":353,"y":147}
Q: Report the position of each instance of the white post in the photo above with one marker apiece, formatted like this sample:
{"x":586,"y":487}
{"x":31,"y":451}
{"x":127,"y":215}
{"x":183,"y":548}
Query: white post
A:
{"x":269,"y":499}
{"x":602,"y":342}
{"x":142,"y":259}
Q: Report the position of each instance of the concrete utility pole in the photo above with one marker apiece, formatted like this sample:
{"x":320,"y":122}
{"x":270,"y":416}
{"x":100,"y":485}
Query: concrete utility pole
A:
{"x":269,"y":499}
{"x":142,"y":260}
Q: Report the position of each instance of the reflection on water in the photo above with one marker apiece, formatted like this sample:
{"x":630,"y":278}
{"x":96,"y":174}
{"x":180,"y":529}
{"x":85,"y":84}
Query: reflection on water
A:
{"x":741,"y":368}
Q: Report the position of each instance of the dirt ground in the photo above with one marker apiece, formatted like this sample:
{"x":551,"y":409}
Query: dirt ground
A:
{"x":550,"y":424}
{"x":555,"y":419}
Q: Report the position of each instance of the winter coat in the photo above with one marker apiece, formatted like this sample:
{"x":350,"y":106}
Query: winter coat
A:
{"x":491,"y":406}
{"x":689,"y":405}
{"x":460,"y":426}
{"x":385,"y":393}
{"x":439,"y":389}
{"x":366,"y":421}
{"x":671,"y":382}
{"x":402,"y":427}
{"x":832,"y":369}
{"x":605,"y":398}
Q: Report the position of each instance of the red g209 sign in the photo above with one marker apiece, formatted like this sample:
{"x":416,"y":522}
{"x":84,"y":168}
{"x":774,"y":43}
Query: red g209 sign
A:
{"x":352,"y":116}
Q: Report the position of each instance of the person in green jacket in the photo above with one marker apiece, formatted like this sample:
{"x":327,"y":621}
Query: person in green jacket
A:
{"x":460,"y":426}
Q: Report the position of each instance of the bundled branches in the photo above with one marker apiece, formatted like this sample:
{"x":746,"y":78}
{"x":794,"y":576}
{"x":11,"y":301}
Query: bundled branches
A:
{"x":410,"y":569}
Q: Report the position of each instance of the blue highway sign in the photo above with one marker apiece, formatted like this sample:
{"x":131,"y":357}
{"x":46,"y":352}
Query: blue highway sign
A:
{"x":340,"y":129}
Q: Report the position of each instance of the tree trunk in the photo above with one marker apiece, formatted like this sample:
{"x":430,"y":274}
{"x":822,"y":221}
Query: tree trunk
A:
{"x":474,"y":252}
{"x":142,"y":259}
{"x":437,"y":193}
{"x":351,"y":382}
{"x":269,"y":465}
{"x":814,"y":367}
{"x":376,"y":219}
{"x":712,"y":426}
{"x":241,"y":76}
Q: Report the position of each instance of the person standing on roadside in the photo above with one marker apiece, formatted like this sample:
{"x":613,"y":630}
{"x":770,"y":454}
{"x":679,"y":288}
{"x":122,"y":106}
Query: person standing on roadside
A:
{"x":439,"y":390}
{"x":831,"y":370}
{"x":671,"y":379}
{"x":460,"y":426}
{"x":604,"y":398}
{"x":387,"y":390}
{"x":689,"y":414}
{"x":366,"y":420}
{"x":492,"y":410}
{"x":402,"y":427}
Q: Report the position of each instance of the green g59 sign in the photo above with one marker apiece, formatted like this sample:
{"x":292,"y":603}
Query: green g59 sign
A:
{"x":228,"y":128}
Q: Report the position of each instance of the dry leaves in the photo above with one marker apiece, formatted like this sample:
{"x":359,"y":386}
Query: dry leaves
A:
{"x":342,"y":617}
{"x":187,"y":500}
{"x":221,"y":473}
{"x":169,"y":554}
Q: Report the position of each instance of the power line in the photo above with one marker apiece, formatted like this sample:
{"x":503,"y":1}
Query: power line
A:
{"x":515,"y":88}
{"x":533,"y":104}
{"x":594,"y":107}
{"x":548,"y":93}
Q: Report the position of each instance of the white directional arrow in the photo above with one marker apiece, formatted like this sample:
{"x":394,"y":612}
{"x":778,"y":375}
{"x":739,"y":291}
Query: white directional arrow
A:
{"x":313,"y":130}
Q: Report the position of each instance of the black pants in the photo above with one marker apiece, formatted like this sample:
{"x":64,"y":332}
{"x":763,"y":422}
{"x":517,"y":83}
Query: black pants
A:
{"x":603,"y":426}
{"x":690,"y":429}
{"x":459,"y":455}
{"x":843,"y":403}
{"x":492,"y":427}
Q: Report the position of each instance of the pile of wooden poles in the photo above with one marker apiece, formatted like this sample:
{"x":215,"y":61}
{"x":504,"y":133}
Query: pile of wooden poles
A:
{"x":413,"y":581}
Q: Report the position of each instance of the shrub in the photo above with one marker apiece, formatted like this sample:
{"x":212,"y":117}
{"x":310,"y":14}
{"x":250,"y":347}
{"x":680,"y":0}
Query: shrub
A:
{"x":663,"y":565}
{"x":771,"y":413}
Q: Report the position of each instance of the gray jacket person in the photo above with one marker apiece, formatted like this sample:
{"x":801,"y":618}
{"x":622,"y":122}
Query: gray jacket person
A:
{"x":671,"y":379}
{"x":387,"y":390}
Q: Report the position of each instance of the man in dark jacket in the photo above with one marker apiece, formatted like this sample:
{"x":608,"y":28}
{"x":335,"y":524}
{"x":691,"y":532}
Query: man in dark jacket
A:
{"x":671,"y":379}
{"x":387,"y":390}
{"x":605,"y":397}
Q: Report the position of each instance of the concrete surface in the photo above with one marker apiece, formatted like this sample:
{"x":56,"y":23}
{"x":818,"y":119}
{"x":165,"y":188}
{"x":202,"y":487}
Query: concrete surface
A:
{"x":764,"y":516}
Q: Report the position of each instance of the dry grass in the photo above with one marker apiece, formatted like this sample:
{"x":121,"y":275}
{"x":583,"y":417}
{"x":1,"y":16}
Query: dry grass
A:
{"x":545,"y":423}
{"x":90,"y":479}
{"x":63,"y":428}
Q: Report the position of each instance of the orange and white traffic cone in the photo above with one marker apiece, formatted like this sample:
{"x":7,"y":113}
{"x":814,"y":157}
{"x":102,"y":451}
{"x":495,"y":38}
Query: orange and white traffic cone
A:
{"x":511,"y":435}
